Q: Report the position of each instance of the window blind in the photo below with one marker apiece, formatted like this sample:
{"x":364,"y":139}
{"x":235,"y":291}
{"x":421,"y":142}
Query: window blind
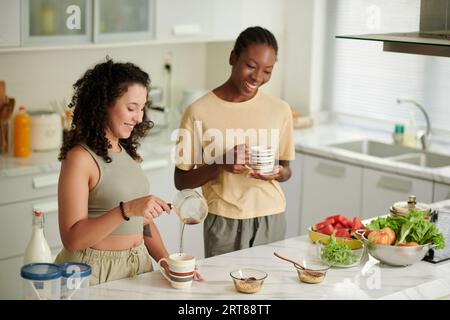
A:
{"x":363,"y":80}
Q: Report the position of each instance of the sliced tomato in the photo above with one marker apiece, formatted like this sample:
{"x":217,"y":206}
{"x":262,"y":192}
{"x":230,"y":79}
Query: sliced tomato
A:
{"x":339,"y":226}
{"x":330,"y":220}
{"x":357,"y":224}
{"x":327,"y":229}
{"x":319,"y":225}
{"x":342,"y":233}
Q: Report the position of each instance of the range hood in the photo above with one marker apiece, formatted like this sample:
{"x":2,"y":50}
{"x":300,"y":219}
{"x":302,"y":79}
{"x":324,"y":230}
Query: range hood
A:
{"x":433,"y":37}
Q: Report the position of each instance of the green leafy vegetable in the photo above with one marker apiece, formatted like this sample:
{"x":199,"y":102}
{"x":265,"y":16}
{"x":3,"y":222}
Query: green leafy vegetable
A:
{"x":410,"y":228}
{"x":338,"y":253}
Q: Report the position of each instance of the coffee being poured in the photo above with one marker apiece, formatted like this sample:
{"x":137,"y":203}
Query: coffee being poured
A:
{"x":191,"y":208}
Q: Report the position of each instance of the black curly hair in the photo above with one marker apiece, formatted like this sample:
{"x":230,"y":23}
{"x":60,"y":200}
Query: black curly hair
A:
{"x":96,"y":91}
{"x":254,"y":35}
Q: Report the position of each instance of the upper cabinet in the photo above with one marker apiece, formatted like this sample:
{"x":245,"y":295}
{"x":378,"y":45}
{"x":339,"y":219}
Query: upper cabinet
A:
{"x":118,"y":20}
{"x":68,"y":22}
{"x":56,"y":22}
{"x":9,"y":23}
{"x":216,"y":19}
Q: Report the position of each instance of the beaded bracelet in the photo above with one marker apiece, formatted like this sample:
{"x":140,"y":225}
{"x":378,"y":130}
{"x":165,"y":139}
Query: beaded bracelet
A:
{"x":122,"y":211}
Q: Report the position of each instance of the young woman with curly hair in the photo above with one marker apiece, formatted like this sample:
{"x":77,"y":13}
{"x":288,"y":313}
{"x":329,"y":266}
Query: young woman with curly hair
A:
{"x":103,"y":195}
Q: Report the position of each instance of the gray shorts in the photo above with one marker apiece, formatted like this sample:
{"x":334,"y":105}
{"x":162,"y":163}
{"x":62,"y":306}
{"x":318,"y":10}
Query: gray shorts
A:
{"x":222,"y":235}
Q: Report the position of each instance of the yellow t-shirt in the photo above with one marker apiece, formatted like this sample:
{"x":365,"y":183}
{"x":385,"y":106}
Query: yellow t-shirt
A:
{"x":211,"y":126}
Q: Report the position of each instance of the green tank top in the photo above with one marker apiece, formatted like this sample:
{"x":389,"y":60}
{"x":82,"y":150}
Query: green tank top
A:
{"x":120,"y":180}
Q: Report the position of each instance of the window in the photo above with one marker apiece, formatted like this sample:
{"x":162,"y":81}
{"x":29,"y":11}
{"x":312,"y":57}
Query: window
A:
{"x":363,"y":80}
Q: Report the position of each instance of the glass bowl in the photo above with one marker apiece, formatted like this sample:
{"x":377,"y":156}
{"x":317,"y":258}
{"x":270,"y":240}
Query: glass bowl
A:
{"x":313,"y":272}
{"x":350,"y":259}
{"x":248,"y":280}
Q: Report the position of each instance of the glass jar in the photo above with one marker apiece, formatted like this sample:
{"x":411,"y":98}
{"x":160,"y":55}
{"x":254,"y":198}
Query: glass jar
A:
{"x":190,"y":206}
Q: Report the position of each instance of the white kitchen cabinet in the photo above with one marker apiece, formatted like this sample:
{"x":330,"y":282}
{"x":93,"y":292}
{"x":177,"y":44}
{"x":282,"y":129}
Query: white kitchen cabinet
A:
{"x":381,"y":190}
{"x":19,"y":196}
{"x":292,"y":192}
{"x":216,"y":19}
{"x":10,"y":281}
{"x":9,"y":23}
{"x":15,"y":230}
{"x":184,"y":19}
{"x":328,"y":187}
{"x":441,"y":192}
{"x":118,"y":20}
{"x":56,"y":22}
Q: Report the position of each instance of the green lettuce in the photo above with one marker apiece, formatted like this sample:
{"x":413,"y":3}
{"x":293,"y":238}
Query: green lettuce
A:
{"x":410,"y":228}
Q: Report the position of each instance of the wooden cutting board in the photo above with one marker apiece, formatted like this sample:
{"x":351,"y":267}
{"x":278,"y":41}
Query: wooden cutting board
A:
{"x":2,"y":92}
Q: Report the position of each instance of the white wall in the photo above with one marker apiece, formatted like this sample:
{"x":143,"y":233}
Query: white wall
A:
{"x":35,"y":78}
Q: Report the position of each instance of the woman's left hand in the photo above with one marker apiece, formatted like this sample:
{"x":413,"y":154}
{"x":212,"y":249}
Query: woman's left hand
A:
{"x":274,"y":175}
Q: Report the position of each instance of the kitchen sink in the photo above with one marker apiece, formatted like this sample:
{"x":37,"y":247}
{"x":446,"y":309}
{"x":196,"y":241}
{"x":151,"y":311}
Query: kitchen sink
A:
{"x":424,"y":159}
{"x":374,"y":148}
{"x":396,"y":153}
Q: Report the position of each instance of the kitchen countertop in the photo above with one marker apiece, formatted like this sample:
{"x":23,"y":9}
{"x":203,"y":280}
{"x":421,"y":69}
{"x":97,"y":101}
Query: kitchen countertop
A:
{"x":370,"y":280}
{"x":152,"y":150}
{"x":317,"y":140}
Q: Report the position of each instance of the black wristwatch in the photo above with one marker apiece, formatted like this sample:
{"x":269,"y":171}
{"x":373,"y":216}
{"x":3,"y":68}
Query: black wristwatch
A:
{"x":122,"y":211}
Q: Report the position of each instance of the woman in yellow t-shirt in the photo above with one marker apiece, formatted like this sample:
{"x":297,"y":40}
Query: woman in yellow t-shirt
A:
{"x":216,"y":134}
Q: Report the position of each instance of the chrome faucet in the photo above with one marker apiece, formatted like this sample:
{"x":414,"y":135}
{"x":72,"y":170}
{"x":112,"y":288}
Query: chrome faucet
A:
{"x":424,"y":137}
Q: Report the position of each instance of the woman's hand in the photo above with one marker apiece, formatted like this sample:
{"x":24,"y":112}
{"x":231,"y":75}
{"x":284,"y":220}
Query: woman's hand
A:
{"x":148,"y":207}
{"x":236,"y":159}
{"x":197,"y":275}
{"x":274,"y":175}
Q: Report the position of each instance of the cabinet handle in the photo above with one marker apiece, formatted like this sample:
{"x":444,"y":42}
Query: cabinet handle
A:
{"x":331,"y":170}
{"x":45,"y":181}
{"x":46,"y":207}
{"x":395,"y":184}
{"x":154,"y":164}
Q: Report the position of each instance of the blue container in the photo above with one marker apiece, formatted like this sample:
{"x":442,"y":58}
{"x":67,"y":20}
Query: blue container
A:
{"x":75,"y":280}
{"x":41,"y":281}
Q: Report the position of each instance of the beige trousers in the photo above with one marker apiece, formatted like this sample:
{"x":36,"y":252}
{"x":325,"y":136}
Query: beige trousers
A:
{"x":110,"y":265}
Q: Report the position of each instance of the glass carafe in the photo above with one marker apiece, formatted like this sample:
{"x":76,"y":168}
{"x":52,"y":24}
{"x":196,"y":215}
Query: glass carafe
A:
{"x":190,"y":206}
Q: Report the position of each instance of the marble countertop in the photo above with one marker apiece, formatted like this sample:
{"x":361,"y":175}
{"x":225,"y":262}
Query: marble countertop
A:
{"x":152,"y":150}
{"x":369,"y":280}
{"x":317,"y":141}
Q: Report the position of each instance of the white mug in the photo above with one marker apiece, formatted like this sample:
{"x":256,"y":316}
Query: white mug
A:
{"x":181,"y":270}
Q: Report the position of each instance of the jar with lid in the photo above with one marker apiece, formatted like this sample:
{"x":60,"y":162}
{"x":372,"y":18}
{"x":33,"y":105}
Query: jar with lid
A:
{"x":41,"y":281}
{"x":402,"y":208}
{"x":75,"y":281}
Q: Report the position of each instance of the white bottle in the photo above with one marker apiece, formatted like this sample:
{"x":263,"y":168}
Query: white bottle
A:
{"x":37,"y":249}
{"x":409,"y":136}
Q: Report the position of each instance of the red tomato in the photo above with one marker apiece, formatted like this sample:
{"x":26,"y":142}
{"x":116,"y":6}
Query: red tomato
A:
{"x":357,"y":224}
{"x":342,"y":233}
{"x":319,"y":225}
{"x":327,"y":229}
{"x":339,"y":226}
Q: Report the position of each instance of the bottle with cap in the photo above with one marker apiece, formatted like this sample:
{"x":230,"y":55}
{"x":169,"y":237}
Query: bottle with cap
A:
{"x":398,"y":133}
{"x":22,"y":133}
{"x":37,"y":249}
{"x":409,"y":136}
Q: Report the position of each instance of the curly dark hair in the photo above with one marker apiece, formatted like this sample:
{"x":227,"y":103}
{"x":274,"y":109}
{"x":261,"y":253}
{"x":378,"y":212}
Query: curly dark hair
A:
{"x":95,"y":92}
